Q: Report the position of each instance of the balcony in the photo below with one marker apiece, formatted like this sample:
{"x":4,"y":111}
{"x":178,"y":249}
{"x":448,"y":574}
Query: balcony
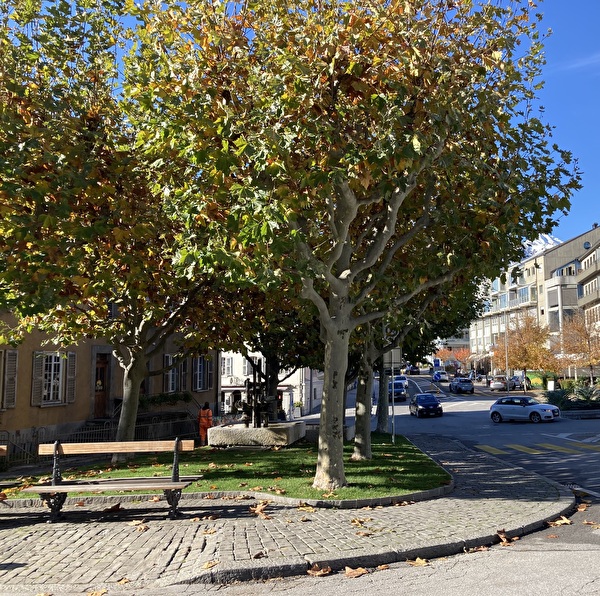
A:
{"x":589,"y":299}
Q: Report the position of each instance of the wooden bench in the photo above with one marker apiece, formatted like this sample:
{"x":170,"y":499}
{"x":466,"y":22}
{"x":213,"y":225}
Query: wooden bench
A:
{"x":54,"y":493}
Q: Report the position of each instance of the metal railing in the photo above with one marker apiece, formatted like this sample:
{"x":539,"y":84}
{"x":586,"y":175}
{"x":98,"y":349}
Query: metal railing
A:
{"x":157,"y":427}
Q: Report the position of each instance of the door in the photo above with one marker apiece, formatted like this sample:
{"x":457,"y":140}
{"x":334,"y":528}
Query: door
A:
{"x":101,"y":386}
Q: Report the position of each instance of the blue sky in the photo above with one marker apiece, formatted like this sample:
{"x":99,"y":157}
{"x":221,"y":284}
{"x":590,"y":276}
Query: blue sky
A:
{"x":571,"y":97}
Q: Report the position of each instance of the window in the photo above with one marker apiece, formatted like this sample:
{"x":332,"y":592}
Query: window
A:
{"x":248,"y":369}
{"x":227,"y":366}
{"x":8,"y":379}
{"x":53,"y":381}
{"x":170,"y":375}
{"x":202,"y":374}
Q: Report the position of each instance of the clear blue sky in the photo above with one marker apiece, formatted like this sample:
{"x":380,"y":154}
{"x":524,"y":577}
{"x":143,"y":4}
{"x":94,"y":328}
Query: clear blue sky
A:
{"x":571,"y":97}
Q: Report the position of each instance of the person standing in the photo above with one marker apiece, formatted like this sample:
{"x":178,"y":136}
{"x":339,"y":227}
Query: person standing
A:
{"x":205,"y":417}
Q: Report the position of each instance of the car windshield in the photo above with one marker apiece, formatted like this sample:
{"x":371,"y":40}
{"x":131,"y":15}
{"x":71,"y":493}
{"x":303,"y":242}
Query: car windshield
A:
{"x":426,"y":399}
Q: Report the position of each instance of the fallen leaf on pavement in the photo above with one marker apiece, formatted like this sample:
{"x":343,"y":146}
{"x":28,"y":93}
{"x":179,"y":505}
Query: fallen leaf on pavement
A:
{"x":210,"y":564}
{"x":154,"y":499}
{"x":364,"y":534}
{"x":382,"y":567}
{"x":582,"y":507}
{"x":418,"y":562}
{"x":136,"y":522}
{"x":355,"y":572}
{"x":116,"y":507}
{"x":317,"y":571}
{"x":123,"y":581}
{"x":259,"y":555}
{"x":562,"y":521}
{"x":260,"y":510}
{"x":552,"y":536}
{"x":97,"y":593}
{"x":477,"y":549}
{"x":504,"y":539}
{"x":305,"y":507}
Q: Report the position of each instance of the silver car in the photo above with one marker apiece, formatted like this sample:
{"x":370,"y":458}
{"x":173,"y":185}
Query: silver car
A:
{"x":522,"y":408}
{"x":499,"y":383}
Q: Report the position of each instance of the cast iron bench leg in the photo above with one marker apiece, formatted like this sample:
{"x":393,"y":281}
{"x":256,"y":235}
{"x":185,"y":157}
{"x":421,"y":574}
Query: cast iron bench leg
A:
{"x":54,"y":501}
{"x":173,"y":497}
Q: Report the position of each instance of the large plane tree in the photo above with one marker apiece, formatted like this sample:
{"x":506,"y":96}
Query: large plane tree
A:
{"x":385,"y":144}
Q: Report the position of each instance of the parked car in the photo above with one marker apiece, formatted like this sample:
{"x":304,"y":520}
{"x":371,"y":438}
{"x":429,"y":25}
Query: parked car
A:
{"x":425,"y":404}
{"x":520,"y":383}
{"x":522,"y":408}
{"x":498,"y":383}
{"x":439,"y":376}
{"x":397,"y":390}
{"x":461,"y":385}
{"x":403,"y":379}
{"x":414,"y":370}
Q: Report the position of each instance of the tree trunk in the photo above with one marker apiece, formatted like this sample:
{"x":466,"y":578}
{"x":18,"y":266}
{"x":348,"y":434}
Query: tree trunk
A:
{"x":364,"y":391}
{"x":330,"y":460}
{"x":133,"y":375}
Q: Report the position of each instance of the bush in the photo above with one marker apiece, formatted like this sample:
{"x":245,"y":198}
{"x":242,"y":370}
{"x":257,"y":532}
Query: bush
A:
{"x":578,"y":396}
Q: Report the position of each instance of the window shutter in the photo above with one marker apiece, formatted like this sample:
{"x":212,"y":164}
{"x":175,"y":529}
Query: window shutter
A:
{"x":37,"y":380}
{"x":10,"y":379}
{"x":71,"y":370}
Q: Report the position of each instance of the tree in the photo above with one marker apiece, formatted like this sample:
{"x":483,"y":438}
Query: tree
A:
{"x":528,"y":345}
{"x":390,"y":137}
{"x":88,"y":246}
{"x":580,"y":342}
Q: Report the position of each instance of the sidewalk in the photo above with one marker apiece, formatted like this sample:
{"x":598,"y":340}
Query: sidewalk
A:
{"x":138,"y":551}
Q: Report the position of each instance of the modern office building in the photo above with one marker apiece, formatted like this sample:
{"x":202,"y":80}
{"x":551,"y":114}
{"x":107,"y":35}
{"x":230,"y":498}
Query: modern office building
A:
{"x":550,"y":283}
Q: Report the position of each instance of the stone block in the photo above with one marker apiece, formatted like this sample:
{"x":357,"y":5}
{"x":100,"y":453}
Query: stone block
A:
{"x":276,"y":434}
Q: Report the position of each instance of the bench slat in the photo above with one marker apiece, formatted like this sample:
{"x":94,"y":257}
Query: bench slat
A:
{"x":105,"y":486}
{"x":115,"y":447}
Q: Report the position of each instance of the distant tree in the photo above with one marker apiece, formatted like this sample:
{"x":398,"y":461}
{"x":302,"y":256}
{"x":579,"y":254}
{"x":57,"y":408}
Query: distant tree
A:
{"x":528,"y":346}
{"x":580,"y":342}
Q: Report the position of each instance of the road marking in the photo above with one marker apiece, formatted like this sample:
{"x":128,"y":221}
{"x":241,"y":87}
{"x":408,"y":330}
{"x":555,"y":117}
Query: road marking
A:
{"x":492,"y":450}
{"x":525,"y":449}
{"x":552,"y":447}
{"x":585,"y":445}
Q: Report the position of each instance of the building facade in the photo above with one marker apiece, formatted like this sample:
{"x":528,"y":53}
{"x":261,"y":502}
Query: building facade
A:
{"x":550,"y":285}
{"x":49,"y":392}
{"x":303,"y":386}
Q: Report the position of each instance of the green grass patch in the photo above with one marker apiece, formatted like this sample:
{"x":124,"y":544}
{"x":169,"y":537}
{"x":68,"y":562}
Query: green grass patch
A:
{"x":396,"y":469}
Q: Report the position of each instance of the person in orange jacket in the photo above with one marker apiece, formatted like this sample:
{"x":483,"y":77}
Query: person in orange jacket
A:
{"x":205,"y":421}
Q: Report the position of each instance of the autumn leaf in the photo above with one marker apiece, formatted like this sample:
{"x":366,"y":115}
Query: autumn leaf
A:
{"x":113,"y":508}
{"x":364,"y":534}
{"x":504,"y":539}
{"x":97,"y":593}
{"x":349,"y":572}
{"x":79,"y":504}
{"x":382,"y":567}
{"x":561,"y":521}
{"x":582,"y":507}
{"x":210,"y":564}
{"x":317,"y":571}
{"x":142,"y":528}
{"x":552,"y":536}
{"x":123,"y":581}
{"x":136,"y":522}
{"x":259,"y":510}
{"x":259,"y":555}
{"x":305,"y":507}
{"x":155,"y":499}
{"x":418,"y":562}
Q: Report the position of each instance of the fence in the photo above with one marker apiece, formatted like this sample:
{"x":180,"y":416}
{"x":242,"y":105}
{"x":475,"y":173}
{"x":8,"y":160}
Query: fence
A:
{"x":24,"y":450}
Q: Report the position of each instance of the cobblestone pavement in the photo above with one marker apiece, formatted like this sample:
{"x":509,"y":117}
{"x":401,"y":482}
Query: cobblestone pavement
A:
{"x":136,"y":550}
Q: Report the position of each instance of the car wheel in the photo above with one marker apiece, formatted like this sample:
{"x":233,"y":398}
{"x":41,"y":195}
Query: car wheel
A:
{"x":472,"y":390}
{"x":496,"y":417}
{"x":418,"y":414}
{"x":441,"y":413}
{"x":535,"y":417}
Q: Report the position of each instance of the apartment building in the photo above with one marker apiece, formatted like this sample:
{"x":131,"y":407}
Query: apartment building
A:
{"x":302,"y":386}
{"x":554,"y":280}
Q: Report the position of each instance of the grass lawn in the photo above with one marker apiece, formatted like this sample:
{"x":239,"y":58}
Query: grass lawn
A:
{"x":396,"y":469}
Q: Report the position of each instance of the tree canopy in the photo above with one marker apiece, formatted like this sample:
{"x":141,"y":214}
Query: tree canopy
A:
{"x":369,"y":152}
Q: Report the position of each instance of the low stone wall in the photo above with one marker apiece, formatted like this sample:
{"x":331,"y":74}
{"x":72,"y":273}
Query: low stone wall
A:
{"x":276,"y":434}
{"x":580,"y":414}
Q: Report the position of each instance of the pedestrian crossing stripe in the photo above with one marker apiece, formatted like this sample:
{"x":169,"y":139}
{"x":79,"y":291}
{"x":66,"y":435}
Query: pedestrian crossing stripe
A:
{"x":492,"y":450}
{"x":552,"y":447}
{"x":525,"y":449}
{"x":531,"y":451}
{"x":584,"y":445}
